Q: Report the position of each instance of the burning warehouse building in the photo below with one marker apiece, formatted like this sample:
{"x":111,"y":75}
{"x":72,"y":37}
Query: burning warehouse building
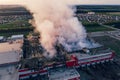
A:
{"x":41,"y":65}
{"x":62,"y":41}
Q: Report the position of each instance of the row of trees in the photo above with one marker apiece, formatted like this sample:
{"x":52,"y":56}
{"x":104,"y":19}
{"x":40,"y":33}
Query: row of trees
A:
{"x":7,"y":30}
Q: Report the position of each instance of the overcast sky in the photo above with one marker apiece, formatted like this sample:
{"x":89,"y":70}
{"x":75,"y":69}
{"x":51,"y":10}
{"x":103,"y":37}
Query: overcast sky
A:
{"x":98,"y":2}
{"x":113,"y":2}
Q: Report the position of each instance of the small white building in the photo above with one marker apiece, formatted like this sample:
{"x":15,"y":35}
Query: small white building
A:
{"x":14,"y":37}
{"x":9,"y":58}
{"x":1,"y":38}
{"x":91,"y":12}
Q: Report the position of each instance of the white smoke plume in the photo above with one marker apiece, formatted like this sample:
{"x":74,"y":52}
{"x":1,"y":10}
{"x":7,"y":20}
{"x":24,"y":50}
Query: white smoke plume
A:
{"x":55,"y":21}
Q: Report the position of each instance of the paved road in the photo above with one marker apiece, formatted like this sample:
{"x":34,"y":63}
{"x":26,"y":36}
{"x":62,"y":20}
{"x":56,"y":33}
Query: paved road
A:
{"x":114,"y":34}
{"x":109,"y":27}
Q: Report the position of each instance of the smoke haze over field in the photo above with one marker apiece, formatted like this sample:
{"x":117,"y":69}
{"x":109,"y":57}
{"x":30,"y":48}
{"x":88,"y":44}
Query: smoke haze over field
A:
{"x":56,"y":22}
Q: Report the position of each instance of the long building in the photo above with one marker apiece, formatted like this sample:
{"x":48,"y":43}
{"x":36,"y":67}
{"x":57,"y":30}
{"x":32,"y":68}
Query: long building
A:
{"x":10,"y":53}
{"x":77,"y":60}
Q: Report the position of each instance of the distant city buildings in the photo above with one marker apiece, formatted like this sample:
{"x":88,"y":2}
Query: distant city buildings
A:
{"x":89,"y":17}
{"x":91,"y":12}
{"x":99,"y":18}
{"x":12,"y":18}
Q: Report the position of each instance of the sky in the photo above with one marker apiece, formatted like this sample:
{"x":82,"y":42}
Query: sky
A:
{"x":113,"y":2}
{"x":109,"y":2}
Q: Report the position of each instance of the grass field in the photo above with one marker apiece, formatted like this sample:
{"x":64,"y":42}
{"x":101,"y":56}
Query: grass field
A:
{"x":97,"y":28}
{"x":114,"y":13}
{"x":114,"y":24}
{"x":23,"y":27}
{"x":109,"y":42}
{"x":15,"y":24}
{"x":16,"y":27}
{"x":94,"y":27}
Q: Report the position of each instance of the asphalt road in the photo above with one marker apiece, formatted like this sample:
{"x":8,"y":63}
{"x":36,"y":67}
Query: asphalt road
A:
{"x":114,"y":34}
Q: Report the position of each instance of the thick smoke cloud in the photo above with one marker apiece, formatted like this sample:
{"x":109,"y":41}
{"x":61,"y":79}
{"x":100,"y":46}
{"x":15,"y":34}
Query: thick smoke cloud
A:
{"x":56,"y":22}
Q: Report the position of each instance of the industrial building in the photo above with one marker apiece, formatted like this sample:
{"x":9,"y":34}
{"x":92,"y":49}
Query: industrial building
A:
{"x":14,"y":66}
{"x":64,"y":74}
{"x":10,"y":54}
{"x":64,"y":65}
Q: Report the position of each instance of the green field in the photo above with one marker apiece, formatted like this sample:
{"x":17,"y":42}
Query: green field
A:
{"x":109,"y":42}
{"x":115,"y":24}
{"x":15,"y":24}
{"x":94,"y":27}
{"x":114,"y":13}
{"x":16,"y":27}
{"x":23,"y":27}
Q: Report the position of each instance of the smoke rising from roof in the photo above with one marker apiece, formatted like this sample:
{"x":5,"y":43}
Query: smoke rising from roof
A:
{"x":56,"y":23}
